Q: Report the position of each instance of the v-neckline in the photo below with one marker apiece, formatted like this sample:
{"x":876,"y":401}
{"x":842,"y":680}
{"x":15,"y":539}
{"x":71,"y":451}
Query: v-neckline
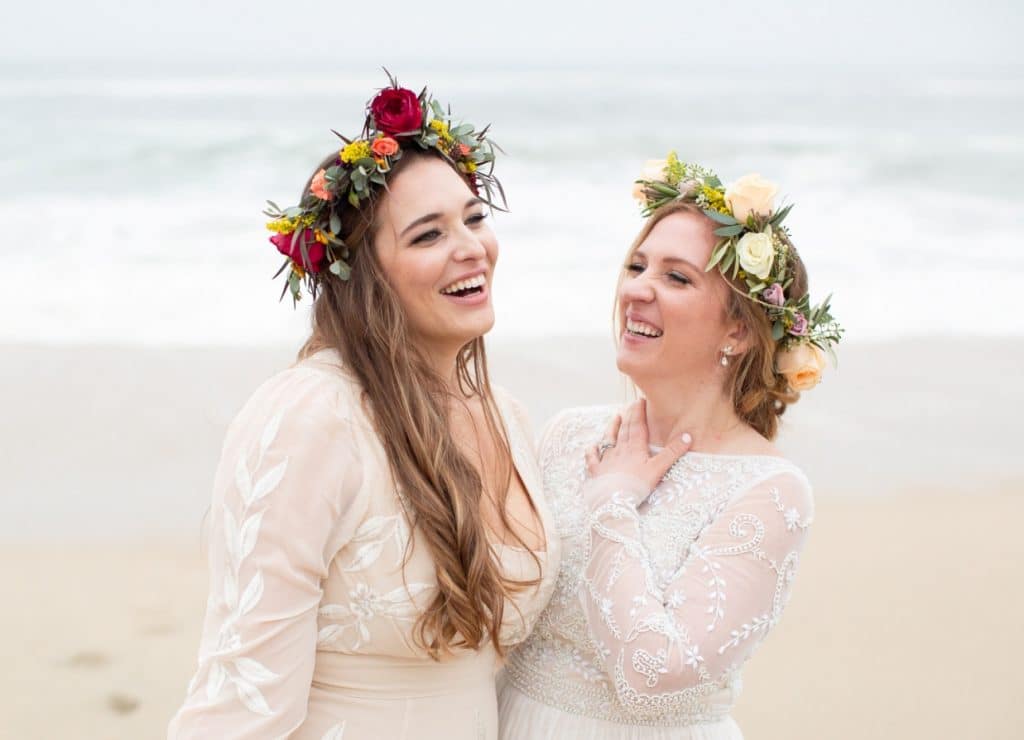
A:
{"x":511,"y":425}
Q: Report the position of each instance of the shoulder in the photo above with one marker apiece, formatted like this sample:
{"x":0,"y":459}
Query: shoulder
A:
{"x":576,"y":427}
{"x":784,"y":485}
{"x":309,"y":396}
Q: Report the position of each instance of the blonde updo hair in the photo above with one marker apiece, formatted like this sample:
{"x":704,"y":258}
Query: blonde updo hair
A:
{"x":760,"y":395}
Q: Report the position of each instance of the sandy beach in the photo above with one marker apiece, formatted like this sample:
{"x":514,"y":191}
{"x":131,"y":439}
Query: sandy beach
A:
{"x":904,"y":621}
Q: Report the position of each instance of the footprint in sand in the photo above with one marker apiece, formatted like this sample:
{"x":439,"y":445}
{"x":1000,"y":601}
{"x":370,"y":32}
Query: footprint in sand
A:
{"x":122,"y":703}
{"x":88,"y":659}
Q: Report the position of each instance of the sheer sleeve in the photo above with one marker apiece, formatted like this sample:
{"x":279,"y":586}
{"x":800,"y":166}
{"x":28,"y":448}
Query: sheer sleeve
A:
{"x":285,"y":501}
{"x":658,"y":637}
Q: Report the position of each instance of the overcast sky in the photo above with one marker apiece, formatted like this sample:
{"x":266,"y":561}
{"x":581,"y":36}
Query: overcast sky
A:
{"x":740,"y":31}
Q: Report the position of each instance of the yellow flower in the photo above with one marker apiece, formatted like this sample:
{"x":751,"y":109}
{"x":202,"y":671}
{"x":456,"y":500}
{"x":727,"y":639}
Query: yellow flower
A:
{"x":470,"y":166}
{"x":715,"y":199}
{"x":288,"y":225}
{"x":319,"y":236}
{"x":442,"y":130}
{"x":298,"y":271}
{"x":355,"y":151}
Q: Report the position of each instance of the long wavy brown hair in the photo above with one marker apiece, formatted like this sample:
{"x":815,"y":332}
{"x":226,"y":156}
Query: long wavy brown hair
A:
{"x":410,"y":405}
{"x":759,"y":394}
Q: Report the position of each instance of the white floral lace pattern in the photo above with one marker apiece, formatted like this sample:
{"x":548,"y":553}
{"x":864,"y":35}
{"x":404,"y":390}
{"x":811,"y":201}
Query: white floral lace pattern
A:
{"x":666,"y":600}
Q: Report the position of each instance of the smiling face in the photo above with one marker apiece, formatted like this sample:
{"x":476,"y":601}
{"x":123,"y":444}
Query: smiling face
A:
{"x":438,"y":253}
{"x":672,"y":315}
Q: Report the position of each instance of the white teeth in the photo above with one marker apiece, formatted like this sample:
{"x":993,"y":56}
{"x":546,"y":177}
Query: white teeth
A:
{"x":474,"y":282}
{"x":638,"y":327}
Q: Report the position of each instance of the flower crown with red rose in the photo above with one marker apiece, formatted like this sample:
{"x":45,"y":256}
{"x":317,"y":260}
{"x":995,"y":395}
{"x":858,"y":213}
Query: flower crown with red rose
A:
{"x":397,"y":120}
{"x":752,"y":251}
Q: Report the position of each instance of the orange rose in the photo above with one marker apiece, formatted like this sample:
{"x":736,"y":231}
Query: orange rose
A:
{"x":385,"y":146}
{"x":318,"y":186}
{"x":464,"y":150}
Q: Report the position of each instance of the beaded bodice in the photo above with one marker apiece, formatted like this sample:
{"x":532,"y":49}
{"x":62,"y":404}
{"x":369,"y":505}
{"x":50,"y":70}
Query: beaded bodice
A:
{"x":660,"y":599}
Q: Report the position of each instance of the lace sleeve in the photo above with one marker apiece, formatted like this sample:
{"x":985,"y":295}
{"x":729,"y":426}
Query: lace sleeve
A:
{"x":660,"y":640}
{"x":285,"y":501}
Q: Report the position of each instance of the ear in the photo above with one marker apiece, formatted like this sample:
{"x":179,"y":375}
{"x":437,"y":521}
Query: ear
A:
{"x":738,"y":337}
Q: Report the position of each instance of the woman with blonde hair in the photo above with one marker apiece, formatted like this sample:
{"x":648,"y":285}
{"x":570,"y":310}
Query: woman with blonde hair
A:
{"x":674,"y":571}
{"x":378,"y":533}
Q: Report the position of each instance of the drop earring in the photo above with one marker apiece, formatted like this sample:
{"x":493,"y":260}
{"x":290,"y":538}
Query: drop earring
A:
{"x":726,"y":351}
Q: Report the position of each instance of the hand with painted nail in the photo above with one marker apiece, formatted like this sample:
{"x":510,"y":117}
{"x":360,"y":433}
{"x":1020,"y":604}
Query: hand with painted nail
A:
{"x":625,"y":449}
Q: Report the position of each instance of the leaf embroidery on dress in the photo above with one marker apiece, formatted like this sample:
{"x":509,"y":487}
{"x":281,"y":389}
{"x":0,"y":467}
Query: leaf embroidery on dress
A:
{"x":240,"y":534}
{"x":370,"y":539}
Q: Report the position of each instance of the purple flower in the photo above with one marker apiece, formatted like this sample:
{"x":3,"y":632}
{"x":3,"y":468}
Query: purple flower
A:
{"x":799,"y":327}
{"x":773,"y":295}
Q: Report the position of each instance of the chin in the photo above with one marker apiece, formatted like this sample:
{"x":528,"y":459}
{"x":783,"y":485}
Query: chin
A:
{"x":476,"y":328}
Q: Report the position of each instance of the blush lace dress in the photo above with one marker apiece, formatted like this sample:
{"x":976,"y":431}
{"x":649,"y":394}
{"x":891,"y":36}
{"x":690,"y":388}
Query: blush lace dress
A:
{"x":660,"y":600}
{"x":309,"y":622}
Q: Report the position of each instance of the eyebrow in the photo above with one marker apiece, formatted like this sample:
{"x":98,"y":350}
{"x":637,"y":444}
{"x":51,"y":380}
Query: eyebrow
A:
{"x":671,"y":261}
{"x":434,"y":216}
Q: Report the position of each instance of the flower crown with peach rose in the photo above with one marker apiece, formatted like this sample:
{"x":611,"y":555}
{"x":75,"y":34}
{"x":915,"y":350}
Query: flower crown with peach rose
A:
{"x":752,"y":251}
{"x":397,"y":120}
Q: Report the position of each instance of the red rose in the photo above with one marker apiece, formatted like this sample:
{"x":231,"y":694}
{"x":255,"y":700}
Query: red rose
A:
{"x":314,"y":249}
{"x":397,"y":110}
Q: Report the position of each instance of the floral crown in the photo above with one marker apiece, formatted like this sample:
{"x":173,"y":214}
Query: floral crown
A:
{"x":752,"y":252}
{"x":397,"y":120}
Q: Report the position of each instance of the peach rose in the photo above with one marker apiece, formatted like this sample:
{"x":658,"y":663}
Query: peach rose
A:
{"x":750,"y":194}
{"x":802,"y":365}
{"x":385,"y":146}
{"x":654,"y":169}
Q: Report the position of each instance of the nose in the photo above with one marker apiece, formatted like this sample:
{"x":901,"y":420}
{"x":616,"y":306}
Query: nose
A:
{"x":636,"y":290}
{"x":468,"y":246}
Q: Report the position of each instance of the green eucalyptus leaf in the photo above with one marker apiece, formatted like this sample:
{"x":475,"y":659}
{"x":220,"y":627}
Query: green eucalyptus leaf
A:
{"x":717,"y":257}
{"x":778,"y":330}
{"x":721,"y":218}
{"x":341,"y":269}
{"x":730,"y":256}
{"x":734,"y":230}
{"x":335,"y":223}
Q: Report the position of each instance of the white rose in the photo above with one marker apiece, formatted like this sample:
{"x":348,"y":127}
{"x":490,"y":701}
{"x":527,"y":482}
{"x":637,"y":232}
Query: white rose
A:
{"x":756,"y":252}
{"x":750,"y":194}
{"x":802,"y":366}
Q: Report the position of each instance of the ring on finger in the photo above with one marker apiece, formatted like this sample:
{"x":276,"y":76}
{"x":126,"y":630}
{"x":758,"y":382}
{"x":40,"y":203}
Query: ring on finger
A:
{"x":603,"y":448}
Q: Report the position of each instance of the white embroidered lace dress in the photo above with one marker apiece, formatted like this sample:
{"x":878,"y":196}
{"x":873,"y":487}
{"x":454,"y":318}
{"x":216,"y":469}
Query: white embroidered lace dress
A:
{"x":308,"y":629}
{"x":659,"y":602}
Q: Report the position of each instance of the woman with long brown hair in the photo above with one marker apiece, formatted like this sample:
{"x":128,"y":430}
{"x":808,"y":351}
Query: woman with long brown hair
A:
{"x":674,"y":569}
{"x":378,"y":534}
